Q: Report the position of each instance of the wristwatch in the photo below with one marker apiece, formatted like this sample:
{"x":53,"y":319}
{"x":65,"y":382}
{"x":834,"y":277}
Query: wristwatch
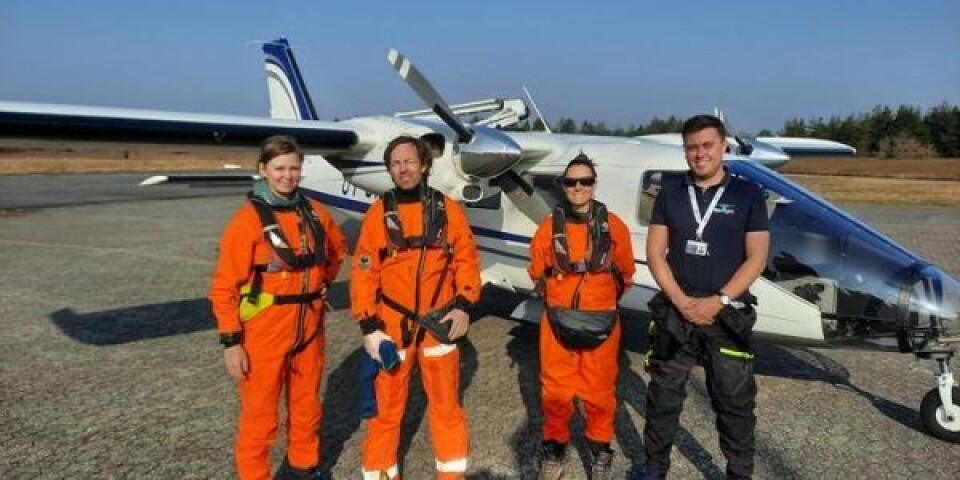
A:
{"x":724,"y":299}
{"x":231,"y":339}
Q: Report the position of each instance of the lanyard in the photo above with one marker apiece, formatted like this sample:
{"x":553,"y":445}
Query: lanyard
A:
{"x":702,"y":222}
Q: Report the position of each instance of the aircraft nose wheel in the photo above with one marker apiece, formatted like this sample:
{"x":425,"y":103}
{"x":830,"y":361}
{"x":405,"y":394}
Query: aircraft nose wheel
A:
{"x":939,"y":411}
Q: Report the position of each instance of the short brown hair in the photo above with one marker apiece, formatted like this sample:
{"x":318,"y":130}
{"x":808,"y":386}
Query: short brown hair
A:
{"x":702,"y":122}
{"x":278,"y":145}
{"x":423,"y":150}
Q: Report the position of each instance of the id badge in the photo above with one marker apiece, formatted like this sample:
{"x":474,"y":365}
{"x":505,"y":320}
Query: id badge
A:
{"x":697,"y":248}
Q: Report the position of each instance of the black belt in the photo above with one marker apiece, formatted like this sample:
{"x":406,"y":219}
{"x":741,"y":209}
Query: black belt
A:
{"x":301,"y":298}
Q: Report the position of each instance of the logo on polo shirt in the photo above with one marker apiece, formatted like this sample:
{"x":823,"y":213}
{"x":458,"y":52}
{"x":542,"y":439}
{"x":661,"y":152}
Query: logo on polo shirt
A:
{"x":725,"y":209}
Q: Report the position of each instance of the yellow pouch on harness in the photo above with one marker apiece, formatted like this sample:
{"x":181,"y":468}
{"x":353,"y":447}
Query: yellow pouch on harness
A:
{"x":249,"y":309}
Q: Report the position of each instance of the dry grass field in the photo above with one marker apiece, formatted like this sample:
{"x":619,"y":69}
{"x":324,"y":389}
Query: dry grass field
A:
{"x":904,"y":168}
{"x":917,"y":181}
{"x":895,"y":181}
{"x":27,"y":158}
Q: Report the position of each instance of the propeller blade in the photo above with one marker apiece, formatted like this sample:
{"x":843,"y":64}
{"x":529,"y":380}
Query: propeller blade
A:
{"x":410,"y":74}
{"x":523,"y":196}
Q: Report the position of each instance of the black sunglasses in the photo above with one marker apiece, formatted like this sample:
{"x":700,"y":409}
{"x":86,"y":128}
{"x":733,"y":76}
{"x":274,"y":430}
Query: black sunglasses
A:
{"x":585,"y":181}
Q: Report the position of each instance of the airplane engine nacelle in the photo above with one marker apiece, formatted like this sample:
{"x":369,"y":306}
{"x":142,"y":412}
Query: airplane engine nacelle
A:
{"x":488,"y":154}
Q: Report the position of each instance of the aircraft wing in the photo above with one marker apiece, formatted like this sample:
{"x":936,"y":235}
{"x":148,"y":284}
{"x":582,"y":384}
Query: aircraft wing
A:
{"x":117,"y":125}
{"x":237,"y":179}
{"x":800,"y":146}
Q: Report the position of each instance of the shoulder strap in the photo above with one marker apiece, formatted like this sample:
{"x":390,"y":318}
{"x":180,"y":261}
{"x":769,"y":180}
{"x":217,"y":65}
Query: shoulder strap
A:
{"x":561,"y":247}
{"x":277,"y":241}
{"x":273,"y":234}
{"x":391,"y":221}
{"x":309,"y":215}
{"x":436,"y":212}
{"x":600,"y":238}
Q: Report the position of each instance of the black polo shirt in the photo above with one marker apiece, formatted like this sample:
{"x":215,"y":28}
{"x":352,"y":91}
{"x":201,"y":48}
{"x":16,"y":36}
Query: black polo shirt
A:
{"x":741,"y":209}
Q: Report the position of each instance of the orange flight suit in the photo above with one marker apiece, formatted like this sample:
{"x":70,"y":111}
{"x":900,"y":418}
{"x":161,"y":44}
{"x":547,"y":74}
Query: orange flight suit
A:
{"x":269,"y":337}
{"x":394,"y":276}
{"x":588,"y":374}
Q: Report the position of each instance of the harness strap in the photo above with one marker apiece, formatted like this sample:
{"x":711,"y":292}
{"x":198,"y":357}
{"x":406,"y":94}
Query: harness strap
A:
{"x":301,"y":298}
{"x":597,"y":255}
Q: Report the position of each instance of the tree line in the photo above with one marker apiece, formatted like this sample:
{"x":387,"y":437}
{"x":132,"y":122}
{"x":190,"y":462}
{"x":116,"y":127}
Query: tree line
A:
{"x":906,"y":131}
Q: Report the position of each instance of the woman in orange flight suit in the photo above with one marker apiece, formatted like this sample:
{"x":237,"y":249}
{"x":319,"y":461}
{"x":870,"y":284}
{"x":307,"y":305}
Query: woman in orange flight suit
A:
{"x":566,"y":372}
{"x":267,"y":296}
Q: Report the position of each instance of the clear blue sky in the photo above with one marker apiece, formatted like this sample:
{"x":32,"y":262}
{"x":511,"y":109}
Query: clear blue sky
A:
{"x":621,"y":62}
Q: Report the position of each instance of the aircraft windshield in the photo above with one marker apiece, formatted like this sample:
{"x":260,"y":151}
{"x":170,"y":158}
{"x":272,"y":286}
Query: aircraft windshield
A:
{"x":866,"y":285}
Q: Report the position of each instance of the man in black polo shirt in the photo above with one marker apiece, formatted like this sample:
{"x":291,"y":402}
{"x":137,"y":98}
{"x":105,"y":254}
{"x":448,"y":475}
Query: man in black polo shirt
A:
{"x":707,"y":243}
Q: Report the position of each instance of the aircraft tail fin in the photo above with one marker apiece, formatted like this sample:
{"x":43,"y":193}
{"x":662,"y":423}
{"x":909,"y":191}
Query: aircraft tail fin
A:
{"x":289,"y":98}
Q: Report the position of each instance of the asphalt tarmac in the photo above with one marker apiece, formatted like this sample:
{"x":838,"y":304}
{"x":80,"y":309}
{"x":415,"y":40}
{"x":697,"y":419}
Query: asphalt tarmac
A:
{"x":109,"y":366}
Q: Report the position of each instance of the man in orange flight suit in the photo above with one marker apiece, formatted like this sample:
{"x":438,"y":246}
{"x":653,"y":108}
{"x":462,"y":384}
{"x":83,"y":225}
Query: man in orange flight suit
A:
{"x":281,"y":345}
{"x":390,"y":284}
{"x":566,"y":372}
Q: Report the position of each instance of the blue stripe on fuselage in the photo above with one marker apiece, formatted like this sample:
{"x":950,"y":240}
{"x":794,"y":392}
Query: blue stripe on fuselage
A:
{"x":361,"y":207}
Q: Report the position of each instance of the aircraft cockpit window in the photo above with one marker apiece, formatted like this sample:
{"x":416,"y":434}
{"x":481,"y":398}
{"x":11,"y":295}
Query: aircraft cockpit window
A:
{"x":866,"y":286}
{"x":649,"y":188}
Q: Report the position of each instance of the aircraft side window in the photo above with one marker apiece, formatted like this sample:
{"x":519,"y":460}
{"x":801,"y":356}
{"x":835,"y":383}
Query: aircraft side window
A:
{"x":649,"y":188}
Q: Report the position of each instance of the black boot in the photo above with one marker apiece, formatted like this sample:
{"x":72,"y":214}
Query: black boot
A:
{"x":287,"y":472}
{"x":551,"y":463}
{"x":601,"y":466}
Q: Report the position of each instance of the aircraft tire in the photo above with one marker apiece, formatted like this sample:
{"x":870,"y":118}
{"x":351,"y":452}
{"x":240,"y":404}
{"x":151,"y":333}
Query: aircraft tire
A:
{"x":931,"y":414}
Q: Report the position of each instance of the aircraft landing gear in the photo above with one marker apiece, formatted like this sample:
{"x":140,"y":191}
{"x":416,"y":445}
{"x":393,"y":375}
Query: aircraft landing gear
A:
{"x":939,"y":410}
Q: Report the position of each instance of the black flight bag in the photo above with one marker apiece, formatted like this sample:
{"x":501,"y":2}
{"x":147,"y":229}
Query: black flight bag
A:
{"x":579,"y":329}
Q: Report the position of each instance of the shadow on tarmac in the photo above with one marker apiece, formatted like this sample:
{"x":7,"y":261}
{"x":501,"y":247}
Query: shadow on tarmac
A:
{"x":131,"y":324}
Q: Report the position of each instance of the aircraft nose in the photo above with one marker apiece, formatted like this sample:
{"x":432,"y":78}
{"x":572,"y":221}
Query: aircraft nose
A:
{"x":870,"y":290}
{"x":929,"y":311}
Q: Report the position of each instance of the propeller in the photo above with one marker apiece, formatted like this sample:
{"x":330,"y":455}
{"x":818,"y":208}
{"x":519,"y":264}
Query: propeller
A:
{"x":484,"y":152}
{"x":522,"y":194}
{"x":410,"y":74}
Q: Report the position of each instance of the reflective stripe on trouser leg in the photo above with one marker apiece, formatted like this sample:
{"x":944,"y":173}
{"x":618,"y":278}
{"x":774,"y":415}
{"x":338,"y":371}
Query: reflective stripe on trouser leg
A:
{"x":390,"y":473}
{"x":452,"y":466}
{"x":449,"y":434}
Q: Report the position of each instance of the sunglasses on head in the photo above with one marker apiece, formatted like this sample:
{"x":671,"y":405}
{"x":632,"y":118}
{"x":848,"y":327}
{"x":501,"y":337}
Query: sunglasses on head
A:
{"x":585,"y":181}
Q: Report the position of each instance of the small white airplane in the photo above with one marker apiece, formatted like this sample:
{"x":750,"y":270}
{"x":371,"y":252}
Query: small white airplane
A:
{"x":830,"y":278}
{"x":773,"y":152}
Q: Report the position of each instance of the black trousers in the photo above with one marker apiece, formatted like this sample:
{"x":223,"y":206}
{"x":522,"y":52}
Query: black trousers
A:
{"x":732,"y":389}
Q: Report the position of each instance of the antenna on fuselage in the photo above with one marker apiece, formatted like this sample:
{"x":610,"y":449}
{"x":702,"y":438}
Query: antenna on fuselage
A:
{"x":546,"y":126}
